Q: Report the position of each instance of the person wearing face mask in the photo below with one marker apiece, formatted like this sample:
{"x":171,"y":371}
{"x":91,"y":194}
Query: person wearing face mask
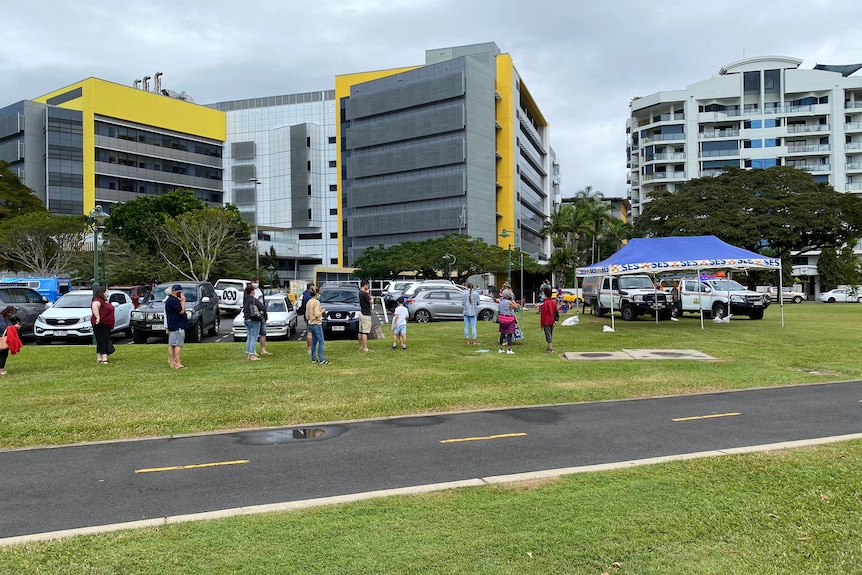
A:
{"x":258,"y":295}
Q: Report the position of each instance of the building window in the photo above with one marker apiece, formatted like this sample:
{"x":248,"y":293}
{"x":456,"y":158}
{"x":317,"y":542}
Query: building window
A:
{"x":309,"y":214}
{"x":331,"y":163}
{"x":334,"y":261}
{"x":333,"y":211}
{"x":333,"y":187}
{"x":333,"y":235}
{"x":309,"y":165}
{"x":316,"y":236}
{"x":309,"y":189}
{"x":331,"y":139}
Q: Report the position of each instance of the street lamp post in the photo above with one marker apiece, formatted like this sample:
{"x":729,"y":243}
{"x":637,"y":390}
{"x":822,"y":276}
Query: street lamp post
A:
{"x":256,"y":183}
{"x":505,"y":234}
{"x":96,"y":219}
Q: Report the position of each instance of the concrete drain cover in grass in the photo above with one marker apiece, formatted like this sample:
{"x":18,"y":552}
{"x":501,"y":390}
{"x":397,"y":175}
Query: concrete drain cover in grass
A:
{"x":636,"y":354}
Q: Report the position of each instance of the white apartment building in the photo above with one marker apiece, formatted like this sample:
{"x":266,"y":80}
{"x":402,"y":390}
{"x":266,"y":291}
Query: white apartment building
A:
{"x":280,"y":171}
{"x":755,"y":113}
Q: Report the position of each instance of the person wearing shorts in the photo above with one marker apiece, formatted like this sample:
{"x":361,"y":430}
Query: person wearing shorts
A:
{"x":175,"y":318}
{"x":548,"y":311}
{"x":365,"y":315}
{"x":399,"y":325}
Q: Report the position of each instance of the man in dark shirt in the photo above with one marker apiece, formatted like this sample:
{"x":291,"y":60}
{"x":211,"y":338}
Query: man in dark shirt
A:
{"x":365,"y":315}
{"x":175,"y":317}
{"x":306,"y":295}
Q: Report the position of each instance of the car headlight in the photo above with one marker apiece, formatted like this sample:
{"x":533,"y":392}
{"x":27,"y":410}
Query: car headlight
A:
{"x":277,"y":323}
{"x":737,"y":298}
{"x":189,"y":313}
{"x":137,"y":315}
{"x":40,"y":318}
{"x":85,"y":319}
{"x":637,"y":298}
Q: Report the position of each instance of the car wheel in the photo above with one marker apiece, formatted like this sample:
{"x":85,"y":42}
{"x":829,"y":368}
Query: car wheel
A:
{"x":139,"y":336}
{"x":797,"y":299}
{"x":486,"y":315}
{"x":42,"y":341}
{"x":719,"y":311}
{"x":598,"y":311}
{"x":859,"y":300}
{"x":422,"y":316}
{"x":214,"y":329}
{"x":831,"y":300}
{"x":675,"y":311}
{"x":128,"y":331}
{"x":628,"y":312}
{"x":198,"y":331}
{"x":756,"y":314}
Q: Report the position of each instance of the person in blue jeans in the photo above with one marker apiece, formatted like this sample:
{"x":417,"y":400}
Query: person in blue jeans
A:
{"x":314,"y":319}
{"x":470,"y":303}
{"x":254,"y":314}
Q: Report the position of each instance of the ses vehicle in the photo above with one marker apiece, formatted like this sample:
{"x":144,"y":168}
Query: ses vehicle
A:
{"x":27,"y":301}
{"x":202,"y":311}
{"x":632,"y":295}
{"x":230,"y":293}
{"x":341,"y":302}
{"x":280,"y":319}
{"x":69,"y":317}
{"x":718,"y":298}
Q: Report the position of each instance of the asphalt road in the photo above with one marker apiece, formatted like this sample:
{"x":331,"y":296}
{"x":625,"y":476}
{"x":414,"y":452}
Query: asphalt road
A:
{"x":75,"y":487}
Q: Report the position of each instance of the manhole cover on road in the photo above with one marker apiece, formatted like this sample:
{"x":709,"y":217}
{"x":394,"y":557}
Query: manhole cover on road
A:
{"x":281,"y":436}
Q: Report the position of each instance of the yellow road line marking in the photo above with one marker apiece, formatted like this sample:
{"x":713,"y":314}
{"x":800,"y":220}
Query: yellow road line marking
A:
{"x":706,"y":416}
{"x":195,"y":466}
{"x":483,"y":438}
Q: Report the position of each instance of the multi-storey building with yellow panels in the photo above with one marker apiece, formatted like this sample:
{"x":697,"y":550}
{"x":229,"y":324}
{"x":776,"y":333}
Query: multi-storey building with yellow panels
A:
{"x":97,"y":142}
{"x":455,"y":146}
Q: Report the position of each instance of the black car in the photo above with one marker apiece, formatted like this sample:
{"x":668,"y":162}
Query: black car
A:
{"x":341,"y":302}
{"x":29,"y":303}
{"x":202,"y":311}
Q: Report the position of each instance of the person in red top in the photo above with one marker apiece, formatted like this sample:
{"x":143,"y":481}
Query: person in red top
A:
{"x":548,"y":318}
{"x":9,"y":323}
{"x":103,"y":323}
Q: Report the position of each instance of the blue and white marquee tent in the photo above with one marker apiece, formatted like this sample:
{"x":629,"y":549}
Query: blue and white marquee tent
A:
{"x":680,"y":254}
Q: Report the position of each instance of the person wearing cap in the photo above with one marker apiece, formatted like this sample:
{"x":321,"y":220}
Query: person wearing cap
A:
{"x":175,"y":318}
{"x":258,"y":295}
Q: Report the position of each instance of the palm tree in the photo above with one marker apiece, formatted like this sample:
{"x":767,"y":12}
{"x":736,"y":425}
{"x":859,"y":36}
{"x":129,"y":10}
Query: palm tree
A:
{"x":595,"y":211}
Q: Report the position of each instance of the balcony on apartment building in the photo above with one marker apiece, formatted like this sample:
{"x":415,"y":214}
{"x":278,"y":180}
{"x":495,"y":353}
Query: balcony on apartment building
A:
{"x":853,"y":167}
{"x":674,"y":136}
{"x":718,"y":134}
{"x":808,"y":148}
{"x":810,"y":167}
{"x":853,"y":127}
{"x":809,"y":128}
{"x":680,"y":175}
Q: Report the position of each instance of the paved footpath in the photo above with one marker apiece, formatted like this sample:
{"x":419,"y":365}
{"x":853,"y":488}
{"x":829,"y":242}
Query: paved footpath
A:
{"x":51,"y":492}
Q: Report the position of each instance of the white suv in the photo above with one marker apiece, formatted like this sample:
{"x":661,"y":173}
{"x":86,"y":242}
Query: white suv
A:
{"x":230,"y":292}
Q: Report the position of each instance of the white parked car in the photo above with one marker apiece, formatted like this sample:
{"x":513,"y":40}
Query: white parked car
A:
{"x":230,"y":292}
{"x":280,"y":319}
{"x":69,"y":317}
{"x":841,"y":295}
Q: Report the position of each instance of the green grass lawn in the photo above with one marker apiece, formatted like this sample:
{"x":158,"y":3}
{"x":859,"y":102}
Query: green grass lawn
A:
{"x":59,"y":394}
{"x":789,"y":512}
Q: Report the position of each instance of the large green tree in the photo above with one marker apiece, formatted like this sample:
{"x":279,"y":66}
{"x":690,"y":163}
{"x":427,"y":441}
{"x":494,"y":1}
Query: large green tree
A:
{"x":42,"y":243}
{"x":776,"y":210}
{"x":16,"y":199}
{"x":462,"y":255}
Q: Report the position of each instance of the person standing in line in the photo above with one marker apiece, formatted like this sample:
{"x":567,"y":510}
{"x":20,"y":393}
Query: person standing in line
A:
{"x":365,"y":303}
{"x":103,"y":322}
{"x":548,"y":318}
{"x":9,"y":325}
{"x":258,"y":295}
{"x":314,"y":318}
{"x":470,"y":303}
{"x":508,"y":323}
{"x":399,"y":325}
{"x":254,"y":315}
{"x":177,"y":322}
{"x":306,"y":295}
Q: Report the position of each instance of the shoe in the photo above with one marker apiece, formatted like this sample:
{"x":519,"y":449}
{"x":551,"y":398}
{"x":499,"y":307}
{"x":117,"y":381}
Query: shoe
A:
{"x":500,"y":351}
{"x":324,"y":362}
{"x":2,"y":372}
{"x":254,"y":358}
{"x":313,"y":361}
{"x":265,"y":353}
{"x":403,"y":347}
{"x":394,"y":346}
{"x":510,"y":352}
{"x":104,"y":361}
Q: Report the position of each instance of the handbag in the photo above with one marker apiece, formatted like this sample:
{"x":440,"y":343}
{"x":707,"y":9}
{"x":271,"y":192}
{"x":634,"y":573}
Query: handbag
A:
{"x":3,"y":343}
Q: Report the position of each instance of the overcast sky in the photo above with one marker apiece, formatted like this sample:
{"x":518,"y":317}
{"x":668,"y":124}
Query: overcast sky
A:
{"x":583,"y":60}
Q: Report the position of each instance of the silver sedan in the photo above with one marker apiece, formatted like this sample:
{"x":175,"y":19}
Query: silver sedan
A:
{"x":434,"y":304}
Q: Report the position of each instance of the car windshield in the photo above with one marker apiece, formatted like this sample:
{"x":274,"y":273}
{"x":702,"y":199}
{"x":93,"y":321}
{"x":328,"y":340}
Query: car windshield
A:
{"x":275,"y":305}
{"x":223,"y":284}
{"x":159,"y":293}
{"x":636,"y":283}
{"x":339,"y":296}
{"x":727,"y":285}
{"x":75,"y":300}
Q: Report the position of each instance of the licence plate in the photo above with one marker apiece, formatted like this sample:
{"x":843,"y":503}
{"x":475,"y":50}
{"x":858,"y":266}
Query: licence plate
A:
{"x":61,"y":333}
{"x":157,"y":327}
{"x":338,"y":328}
